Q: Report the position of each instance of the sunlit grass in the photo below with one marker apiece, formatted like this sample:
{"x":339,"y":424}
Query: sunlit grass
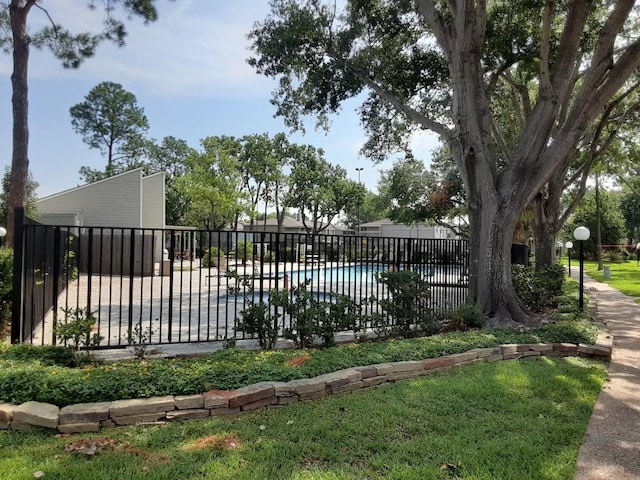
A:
{"x":505,"y":420}
{"x":624,"y":276}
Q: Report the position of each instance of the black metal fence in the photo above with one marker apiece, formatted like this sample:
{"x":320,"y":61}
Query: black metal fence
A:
{"x":185,"y":285}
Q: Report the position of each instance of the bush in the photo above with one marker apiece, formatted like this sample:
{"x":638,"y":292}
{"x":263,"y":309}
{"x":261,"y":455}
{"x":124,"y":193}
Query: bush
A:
{"x":46,"y":354}
{"x":244,"y":251}
{"x":258,"y":321}
{"x":409,"y":301}
{"x":538,"y":289}
{"x":469,"y":315}
{"x":6,"y":287}
{"x":212,"y":257}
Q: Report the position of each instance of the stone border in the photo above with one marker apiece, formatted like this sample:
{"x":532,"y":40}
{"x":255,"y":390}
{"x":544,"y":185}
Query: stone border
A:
{"x":91,"y":417}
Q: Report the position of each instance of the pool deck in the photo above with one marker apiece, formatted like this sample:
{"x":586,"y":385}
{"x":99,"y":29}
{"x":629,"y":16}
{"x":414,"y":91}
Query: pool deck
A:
{"x":192,"y":304}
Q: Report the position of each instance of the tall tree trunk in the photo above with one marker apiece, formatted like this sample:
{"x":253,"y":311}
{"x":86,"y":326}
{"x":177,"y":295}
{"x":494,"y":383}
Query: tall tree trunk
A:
{"x":598,"y":225}
{"x":20,"y":104}
{"x":546,"y":223}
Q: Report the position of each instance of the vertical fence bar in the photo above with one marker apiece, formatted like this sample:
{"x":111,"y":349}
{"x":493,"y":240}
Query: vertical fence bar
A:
{"x":18,"y":265}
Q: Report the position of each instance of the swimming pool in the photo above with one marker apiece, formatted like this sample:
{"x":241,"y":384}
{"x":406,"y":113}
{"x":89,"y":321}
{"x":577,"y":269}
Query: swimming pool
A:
{"x":347,"y":273}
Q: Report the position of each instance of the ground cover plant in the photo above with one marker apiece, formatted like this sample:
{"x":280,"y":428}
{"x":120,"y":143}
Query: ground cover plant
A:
{"x":508,"y":420}
{"x":24,"y":376}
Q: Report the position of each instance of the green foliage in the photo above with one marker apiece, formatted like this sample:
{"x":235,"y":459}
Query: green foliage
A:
{"x":306,"y":314}
{"x":343,"y":315}
{"x":76,"y":331}
{"x":612,"y":222}
{"x":212,"y":257}
{"x":469,"y":315}
{"x":31,"y":185}
{"x":110,"y":121}
{"x":258,"y":321}
{"x":319,"y":189}
{"x":312,"y":318}
{"x":408,"y":303}
{"x":44,"y":354}
{"x":6,"y":286}
{"x":47,"y":381}
{"x":244,"y":251}
{"x":212,"y":183}
{"x":170,"y":156}
{"x":538,"y":289}
{"x":140,"y":339}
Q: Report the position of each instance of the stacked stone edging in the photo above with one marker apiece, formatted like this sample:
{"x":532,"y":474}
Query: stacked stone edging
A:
{"x":91,"y":417}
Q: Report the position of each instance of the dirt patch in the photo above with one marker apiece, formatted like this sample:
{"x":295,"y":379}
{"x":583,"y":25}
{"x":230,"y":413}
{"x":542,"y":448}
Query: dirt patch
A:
{"x":297,"y":361}
{"x":214,"y":442}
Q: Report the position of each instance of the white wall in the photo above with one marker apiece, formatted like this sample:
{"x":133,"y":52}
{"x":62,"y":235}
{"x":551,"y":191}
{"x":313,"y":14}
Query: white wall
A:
{"x":113,"y":202}
{"x":153,"y":205}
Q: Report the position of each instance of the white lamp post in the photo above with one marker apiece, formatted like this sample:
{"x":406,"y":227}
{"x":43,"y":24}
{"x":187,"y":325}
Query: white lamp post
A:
{"x":3,"y":233}
{"x":581,"y":234}
{"x":569,"y":246}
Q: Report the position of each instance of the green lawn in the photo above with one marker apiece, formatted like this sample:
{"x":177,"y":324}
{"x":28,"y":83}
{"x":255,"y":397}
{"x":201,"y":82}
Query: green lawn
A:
{"x":624,"y":277}
{"x":521,"y":419}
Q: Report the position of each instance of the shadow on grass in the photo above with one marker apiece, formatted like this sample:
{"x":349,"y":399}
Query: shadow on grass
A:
{"x":512,"y":419}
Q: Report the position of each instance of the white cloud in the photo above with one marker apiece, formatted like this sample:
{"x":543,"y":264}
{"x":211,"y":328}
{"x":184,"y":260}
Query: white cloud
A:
{"x":191,"y":51}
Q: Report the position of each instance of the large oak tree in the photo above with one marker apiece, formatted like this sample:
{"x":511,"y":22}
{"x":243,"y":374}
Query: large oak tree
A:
{"x":438,"y":64}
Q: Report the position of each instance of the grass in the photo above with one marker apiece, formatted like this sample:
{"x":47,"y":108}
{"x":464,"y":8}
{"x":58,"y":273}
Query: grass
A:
{"x":624,"y":276}
{"x":505,"y":420}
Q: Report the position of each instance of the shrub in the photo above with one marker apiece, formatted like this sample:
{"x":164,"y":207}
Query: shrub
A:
{"x":343,"y":314}
{"x":244,"y":251}
{"x":469,"y":315}
{"x":6,"y":286}
{"x":305,"y":311}
{"x":45,"y":354}
{"x":77,"y":329}
{"x":258,"y":321}
{"x":212,"y":257}
{"x":538,"y":289}
{"x":409,"y":300}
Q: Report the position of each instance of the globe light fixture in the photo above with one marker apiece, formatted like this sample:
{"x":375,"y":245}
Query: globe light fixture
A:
{"x":581,"y":234}
{"x":569,"y":246}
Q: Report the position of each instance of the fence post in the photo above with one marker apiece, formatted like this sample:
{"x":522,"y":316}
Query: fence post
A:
{"x":18,"y":259}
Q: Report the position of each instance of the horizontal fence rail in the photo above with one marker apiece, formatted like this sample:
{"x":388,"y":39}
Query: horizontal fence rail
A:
{"x":161,"y":286}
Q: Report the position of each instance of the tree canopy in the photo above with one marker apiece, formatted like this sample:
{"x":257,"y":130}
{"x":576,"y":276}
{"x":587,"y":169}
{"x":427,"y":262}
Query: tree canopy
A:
{"x":444,"y":67}
{"x":110,"y":120}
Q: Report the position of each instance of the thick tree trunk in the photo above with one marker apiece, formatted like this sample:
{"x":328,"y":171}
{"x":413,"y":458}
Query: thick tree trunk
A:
{"x":20,"y":104}
{"x":545,"y":225}
{"x":491,"y":286}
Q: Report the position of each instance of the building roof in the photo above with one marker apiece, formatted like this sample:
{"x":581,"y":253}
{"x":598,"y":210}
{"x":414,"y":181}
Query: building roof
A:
{"x":136,"y":171}
{"x":377,"y":223}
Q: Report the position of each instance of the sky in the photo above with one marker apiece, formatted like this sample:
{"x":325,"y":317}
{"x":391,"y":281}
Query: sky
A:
{"x":189,"y":73}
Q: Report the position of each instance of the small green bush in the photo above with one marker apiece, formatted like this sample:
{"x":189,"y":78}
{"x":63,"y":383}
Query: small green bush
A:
{"x":409,"y":301}
{"x":6,"y":286}
{"x":212,"y":257}
{"x":76,"y":331}
{"x":470,"y":315}
{"x":258,"y":321}
{"x":45,"y":354}
{"x":244,"y":251}
{"x":538,"y":289}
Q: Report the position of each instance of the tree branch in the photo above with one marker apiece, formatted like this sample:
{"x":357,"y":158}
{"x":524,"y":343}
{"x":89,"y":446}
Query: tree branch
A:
{"x":412,"y":114}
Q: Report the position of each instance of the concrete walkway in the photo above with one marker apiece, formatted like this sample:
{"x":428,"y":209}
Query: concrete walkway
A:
{"x":611,"y":448}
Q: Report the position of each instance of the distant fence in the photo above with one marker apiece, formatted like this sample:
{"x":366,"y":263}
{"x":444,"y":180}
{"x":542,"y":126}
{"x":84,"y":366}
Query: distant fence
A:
{"x":186,"y":285}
